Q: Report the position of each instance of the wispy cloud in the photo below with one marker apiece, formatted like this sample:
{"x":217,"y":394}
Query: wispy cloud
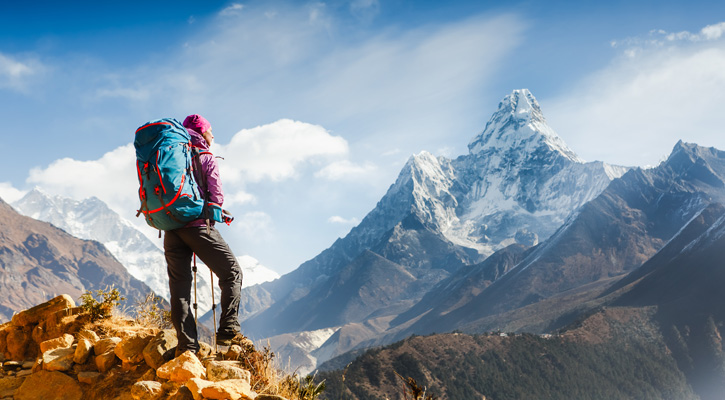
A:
{"x":660,"y":37}
{"x":345,"y":169}
{"x":336,"y":219}
{"x":232,"y":9}
{"x":255,"y":226}
{"x":15,"y":73}
{"x":634,"y":111}
{"x":339,"y":96}
{"x":365,"y":10}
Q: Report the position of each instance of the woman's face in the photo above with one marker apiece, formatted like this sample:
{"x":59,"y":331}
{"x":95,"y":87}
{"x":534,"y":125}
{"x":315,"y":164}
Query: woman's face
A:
{"x":208,"y":136}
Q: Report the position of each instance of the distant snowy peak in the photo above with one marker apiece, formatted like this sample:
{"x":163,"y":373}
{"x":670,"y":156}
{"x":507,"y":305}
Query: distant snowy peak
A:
{"x":92,"y":219}
{"x":433,"y":179}
{"x":519,"y":124}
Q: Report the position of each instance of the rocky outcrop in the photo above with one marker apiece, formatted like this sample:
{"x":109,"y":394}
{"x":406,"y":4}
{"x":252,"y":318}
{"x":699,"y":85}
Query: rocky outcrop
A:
{"x":123,"y":363}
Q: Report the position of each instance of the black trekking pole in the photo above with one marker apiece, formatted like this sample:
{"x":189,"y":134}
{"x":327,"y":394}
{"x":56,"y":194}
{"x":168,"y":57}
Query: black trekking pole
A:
{"x":213,"y":310}
{"x":193,"y":268}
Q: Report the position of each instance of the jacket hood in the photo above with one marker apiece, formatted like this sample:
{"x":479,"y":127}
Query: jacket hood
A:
{"x":197,"y":140}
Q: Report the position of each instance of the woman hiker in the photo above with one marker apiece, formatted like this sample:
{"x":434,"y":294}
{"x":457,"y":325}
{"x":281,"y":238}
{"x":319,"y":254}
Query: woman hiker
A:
{"x":205,"y":241}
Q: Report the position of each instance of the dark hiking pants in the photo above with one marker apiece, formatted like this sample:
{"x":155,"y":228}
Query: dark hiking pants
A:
{"x":179,"y":246}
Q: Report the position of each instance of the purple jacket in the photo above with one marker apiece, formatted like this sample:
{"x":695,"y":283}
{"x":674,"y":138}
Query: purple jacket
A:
{"x":209,"y":174}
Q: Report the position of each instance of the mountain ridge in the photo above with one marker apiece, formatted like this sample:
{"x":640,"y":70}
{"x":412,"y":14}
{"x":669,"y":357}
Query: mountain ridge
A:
{"x":441,"y":215}
{"x":39,"y":261}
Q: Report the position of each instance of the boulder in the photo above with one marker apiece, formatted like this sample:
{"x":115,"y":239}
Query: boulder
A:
{"x":17,"y":343}
{"x":182,"y":394}
{"x":224,"y":370}
{"x":105,"y":355}
{"x":149,"y":375}
{"x":10,"y":384}
{"x":234,"y":389}
{"x":41,"y":311}
{"x":60,"y":359}
{"x":53,"y":322}
{"x":130,"y":350}
{"x":146,"y":390}
{"x":3,"y":340}
{"x":64,"y":341}
{"x":160,"y":349}
{"x":195,"y":385}
{"x":106,"y":360}
{"x":49,"y":385}
{"x":83,"y":351}
{"x":106,"y":344}
{"x":38,"y":334}
{"x":182,"y":368}
{"x":12,"y":366}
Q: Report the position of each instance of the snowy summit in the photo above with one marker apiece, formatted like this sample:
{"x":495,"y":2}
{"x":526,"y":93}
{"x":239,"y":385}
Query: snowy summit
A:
{"x":519,"y":124}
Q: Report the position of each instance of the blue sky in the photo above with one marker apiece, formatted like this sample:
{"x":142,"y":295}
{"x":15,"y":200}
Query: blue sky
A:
{"x":317,"y":105}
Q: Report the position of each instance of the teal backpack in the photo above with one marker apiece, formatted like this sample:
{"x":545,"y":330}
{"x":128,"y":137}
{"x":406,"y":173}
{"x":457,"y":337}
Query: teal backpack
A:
{"x":168,"y":192}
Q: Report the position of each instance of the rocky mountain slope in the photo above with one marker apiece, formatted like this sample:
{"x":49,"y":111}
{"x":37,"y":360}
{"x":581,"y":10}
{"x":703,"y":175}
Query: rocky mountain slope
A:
{"x":656,"y":332}
{"x":608,"y":237}
{"x":92,"y":219}
{"x":57,"y":351}
{"x":684,"y":282}
{"x":518,"y":184}
{"x":614,"y":354}
{"x":39,"y":261}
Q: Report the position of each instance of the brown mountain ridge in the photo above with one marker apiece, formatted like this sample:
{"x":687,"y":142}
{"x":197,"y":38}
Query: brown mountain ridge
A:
{"x":39,"y":261}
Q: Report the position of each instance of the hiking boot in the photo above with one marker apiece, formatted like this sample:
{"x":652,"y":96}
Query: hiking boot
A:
{"x":228,"y":339}
{"x":179,"y":352}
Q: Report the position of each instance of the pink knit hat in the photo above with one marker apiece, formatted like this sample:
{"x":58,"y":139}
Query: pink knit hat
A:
{"x":197,"y":123}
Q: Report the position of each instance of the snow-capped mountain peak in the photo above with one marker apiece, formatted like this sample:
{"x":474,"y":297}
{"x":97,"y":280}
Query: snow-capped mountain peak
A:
{"x":519,"y":125}
{"x":92,"y":219}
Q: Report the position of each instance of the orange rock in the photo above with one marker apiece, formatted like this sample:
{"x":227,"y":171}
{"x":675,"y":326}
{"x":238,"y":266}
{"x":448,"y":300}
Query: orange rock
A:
{"x":60,"y":359}
{"x":41,"y":311}
{"x":64,"y":342}
{"x":17,"y":343}
{"x":49,"y":385}
{"x":130,"y":349}
{"x":182,"y":368}
{"x":234,"y":389}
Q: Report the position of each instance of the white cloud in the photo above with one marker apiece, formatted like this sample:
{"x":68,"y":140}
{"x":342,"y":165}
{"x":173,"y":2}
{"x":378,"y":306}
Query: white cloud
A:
{"x":15,"y":74}
{"x":232,"y":9}
{"x":276,"y":151}
{"x":239,"y":198}
{"x":112,"y":178}
{"x":661,"y":38}
{"x":10,"y":194}
{"x":713,"y":32}
{"x":710,"y":32}
{"x":634,"y":111}
{"x":255,"y":226}
{"x":272,"y":153}
{"x":336,"y":219}
{"x":376,"y":90}
{"x":345,"y":169}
